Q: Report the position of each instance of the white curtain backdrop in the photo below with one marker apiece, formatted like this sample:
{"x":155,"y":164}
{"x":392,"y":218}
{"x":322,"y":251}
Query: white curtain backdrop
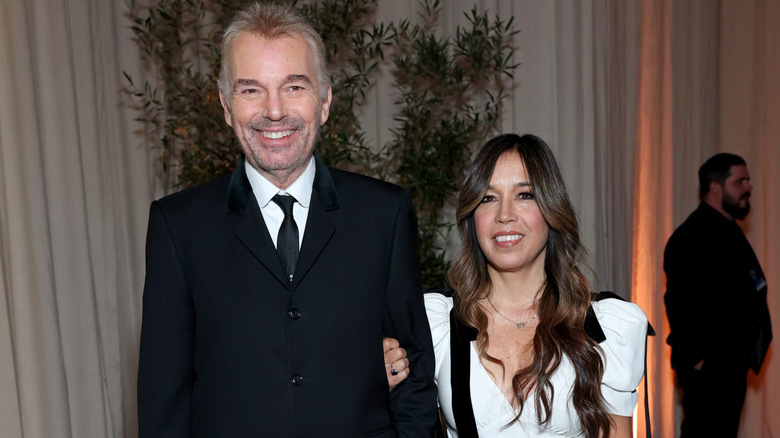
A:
{"x":633,"y":95}
{"x":74,"y":194}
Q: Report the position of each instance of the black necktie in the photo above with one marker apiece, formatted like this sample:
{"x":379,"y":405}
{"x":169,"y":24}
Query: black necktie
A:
{"x":287,"y":240}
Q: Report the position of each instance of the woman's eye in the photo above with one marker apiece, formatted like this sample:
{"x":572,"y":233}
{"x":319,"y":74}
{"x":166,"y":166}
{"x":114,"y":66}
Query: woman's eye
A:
{"x":487,"y":198}
{"x":526,"y":196}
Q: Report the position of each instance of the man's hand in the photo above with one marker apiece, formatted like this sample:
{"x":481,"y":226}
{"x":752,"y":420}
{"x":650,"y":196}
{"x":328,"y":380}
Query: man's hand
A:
{"x":396,"y":363}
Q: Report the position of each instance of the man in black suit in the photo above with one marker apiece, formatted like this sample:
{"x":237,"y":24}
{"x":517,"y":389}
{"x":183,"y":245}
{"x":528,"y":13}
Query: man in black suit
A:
{"x":240,"y":340}
{"x":716,"y":302}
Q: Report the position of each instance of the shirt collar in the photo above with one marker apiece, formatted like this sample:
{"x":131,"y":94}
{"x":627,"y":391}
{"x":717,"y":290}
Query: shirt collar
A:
{"x":264,"y":190}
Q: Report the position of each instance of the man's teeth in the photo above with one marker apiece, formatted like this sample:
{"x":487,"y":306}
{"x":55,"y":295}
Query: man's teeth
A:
{"x":275,"y":135}
{"x":509,"y":237}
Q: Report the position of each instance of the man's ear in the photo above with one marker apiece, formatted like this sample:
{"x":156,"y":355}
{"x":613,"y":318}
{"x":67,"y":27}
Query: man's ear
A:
{"x":325,"y":110}
{"x":716,"y":190}
{"x":226,"y":108}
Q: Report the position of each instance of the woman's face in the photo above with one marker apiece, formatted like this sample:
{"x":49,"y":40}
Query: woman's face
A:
{"x":510,"y":228}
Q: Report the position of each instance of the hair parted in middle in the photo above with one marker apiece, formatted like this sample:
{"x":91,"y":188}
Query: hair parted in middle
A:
{"x":272,"y":21}
{"x":566,"y":294}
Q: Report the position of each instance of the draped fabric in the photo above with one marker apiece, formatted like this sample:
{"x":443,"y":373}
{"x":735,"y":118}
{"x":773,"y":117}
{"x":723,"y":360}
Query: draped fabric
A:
{"x":632,"y":95}
{"x":705,"y":87}
{"x":75,"y":186}
{"x":652,"y":192}
{"x":748,"y":123}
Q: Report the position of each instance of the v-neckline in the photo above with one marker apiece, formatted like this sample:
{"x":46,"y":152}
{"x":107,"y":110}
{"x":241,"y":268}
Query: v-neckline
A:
{"x":485,"y":375}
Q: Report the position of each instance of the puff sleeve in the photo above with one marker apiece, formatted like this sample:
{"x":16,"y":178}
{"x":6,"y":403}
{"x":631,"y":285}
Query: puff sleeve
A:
{"x":625,"y":326}
{"x":438,"y":307}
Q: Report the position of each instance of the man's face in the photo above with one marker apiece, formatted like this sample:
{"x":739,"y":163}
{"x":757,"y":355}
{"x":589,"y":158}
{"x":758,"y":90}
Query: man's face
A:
{"x":736,"y":192}
{"x":274,"y":104}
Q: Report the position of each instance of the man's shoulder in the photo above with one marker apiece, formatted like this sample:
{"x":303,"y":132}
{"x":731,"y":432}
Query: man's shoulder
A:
{"x":696,"y":238}
{"x":697,"y":223}
{"x":351,"y":181}
{"x":206,"y":193}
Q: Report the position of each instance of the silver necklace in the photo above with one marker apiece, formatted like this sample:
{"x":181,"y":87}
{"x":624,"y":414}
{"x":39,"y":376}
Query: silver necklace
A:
{"x":518,"y":324}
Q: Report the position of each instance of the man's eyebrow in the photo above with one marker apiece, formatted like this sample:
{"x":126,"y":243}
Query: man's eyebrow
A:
{"x":297,"y":78}
{"x":288,"y":79}
{"x":245,"y":83}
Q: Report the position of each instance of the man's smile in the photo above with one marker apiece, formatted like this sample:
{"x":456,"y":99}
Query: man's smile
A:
{"x":276,"y":135}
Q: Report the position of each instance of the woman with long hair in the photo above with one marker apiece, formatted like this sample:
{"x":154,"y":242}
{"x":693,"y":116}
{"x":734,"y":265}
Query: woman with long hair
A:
{"x":522,"y":347}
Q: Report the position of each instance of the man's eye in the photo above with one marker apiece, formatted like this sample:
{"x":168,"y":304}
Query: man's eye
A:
{"x":245,"y":92}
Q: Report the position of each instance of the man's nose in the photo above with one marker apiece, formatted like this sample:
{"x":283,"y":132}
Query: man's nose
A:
{"x":274,"y":106}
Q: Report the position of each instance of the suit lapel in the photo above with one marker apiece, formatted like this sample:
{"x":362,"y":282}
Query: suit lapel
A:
{"x":320,"y":225}
{"x":319,"y":229}
{"x":253,"y":233}
{"x":251,"y":229}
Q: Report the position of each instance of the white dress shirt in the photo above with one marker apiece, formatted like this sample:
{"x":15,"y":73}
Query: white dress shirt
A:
{"x":273,"y":215}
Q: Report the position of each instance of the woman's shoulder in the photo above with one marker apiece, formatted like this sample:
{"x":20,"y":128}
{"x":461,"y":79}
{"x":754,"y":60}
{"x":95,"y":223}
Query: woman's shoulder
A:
{"x":624,"y":323}
{"x":438,"y":306}
{"x":616,"y":310}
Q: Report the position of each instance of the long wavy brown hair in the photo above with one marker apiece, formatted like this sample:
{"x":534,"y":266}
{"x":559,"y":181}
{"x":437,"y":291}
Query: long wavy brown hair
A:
{"x":565,"y":296}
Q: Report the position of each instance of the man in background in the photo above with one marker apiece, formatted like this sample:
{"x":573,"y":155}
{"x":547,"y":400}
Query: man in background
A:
{"x":268,"y":291}
{"x":716,"y":302}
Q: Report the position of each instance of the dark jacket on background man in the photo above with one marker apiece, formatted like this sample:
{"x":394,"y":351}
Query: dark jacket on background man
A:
{"x":716,"y":294}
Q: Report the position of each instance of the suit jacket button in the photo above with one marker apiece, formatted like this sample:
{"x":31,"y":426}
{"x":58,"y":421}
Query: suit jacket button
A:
{"x":294,"y":314}
{"x":297,"y":380}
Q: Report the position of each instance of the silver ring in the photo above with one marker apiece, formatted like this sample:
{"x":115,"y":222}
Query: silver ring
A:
{"x":393,"y":371}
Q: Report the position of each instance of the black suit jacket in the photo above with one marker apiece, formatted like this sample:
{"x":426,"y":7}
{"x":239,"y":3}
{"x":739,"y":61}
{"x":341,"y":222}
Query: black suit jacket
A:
{"x":715,"y":294}
{"x":229,"y":348}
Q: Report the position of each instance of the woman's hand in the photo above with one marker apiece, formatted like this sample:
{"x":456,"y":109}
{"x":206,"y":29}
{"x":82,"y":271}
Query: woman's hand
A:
{"x":396,"y":363}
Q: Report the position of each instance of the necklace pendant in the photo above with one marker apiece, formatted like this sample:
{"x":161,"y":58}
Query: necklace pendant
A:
{"x":520,"y":324}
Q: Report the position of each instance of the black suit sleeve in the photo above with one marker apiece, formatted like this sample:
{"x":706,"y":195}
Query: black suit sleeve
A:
{"x":687,"y":285}
{"x":700,"y":294}
{"x":413,"y":403}
{"x":165,"y":369}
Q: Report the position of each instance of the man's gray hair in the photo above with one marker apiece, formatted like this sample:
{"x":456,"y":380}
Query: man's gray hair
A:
{"x":272,"y":21}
